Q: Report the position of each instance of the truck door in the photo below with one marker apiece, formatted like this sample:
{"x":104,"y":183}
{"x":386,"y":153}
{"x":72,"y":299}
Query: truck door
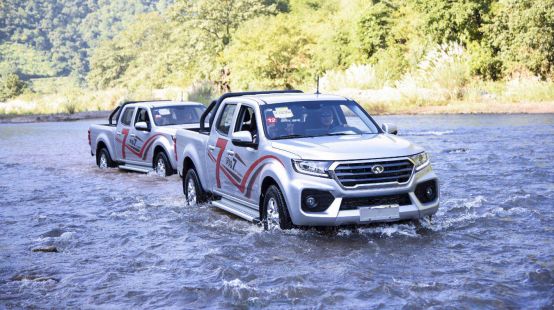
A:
{"x":137,"y":146}
{"x":122,"y":133}
{"x":244,"y":161}
{"x":219,"y":153}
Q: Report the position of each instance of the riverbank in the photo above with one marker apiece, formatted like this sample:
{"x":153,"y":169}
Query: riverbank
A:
{"x":372,"y":108}
{"x":460,"y":107}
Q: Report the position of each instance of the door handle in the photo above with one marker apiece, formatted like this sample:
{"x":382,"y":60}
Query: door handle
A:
{"x":230,"y":153}
{"x":211,"y":147}
{"x":133,"y":135}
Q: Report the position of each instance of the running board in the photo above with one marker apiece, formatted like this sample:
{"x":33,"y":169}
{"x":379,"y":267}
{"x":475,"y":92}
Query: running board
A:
{"x":136,"y":168}
{"x":237,"y":209}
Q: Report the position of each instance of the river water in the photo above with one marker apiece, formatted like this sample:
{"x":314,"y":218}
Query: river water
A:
{"x":127,"y":240}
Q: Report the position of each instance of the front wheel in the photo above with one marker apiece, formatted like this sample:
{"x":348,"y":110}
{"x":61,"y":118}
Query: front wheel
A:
{"x":274,"y":210}
{"x":162,"y":165}
{"x":192,"y":189}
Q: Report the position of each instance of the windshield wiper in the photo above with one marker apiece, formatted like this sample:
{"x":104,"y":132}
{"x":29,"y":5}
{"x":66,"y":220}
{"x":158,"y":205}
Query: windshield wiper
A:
{"x":343,"y":133}
{"x":292,"y":137}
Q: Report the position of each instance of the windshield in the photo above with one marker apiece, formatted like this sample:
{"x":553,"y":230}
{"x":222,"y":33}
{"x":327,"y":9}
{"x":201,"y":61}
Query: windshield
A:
{"x":177,"y":115}
{"x":315,"y":119}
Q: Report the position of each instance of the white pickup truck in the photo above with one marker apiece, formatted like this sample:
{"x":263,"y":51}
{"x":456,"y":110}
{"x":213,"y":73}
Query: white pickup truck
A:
{"x":291,"y":159}
{"x":140,"y":135}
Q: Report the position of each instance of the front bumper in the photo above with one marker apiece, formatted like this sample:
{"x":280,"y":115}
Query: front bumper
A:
{"x":334,"y":216}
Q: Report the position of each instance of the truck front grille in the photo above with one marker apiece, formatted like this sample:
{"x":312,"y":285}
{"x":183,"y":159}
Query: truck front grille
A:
{"x":364,"y":173}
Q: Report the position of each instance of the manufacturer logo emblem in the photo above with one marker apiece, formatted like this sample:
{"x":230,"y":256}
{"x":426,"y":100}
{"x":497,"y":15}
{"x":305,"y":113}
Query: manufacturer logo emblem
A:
{"x":377,"y":169}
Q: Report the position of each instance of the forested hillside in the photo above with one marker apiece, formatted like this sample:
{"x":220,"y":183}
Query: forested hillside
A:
{"x":416,"y":52}
{"x":40,"y":38}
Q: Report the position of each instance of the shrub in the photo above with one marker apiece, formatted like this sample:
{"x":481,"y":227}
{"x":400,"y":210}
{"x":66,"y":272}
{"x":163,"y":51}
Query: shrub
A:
{"x":201,"y":91}
{"x":11,"y":86}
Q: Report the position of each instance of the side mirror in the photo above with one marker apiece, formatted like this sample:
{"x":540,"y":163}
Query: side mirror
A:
{"x":243,"y":138}
{"x":142,"y":126}
{"x":390,"y":128}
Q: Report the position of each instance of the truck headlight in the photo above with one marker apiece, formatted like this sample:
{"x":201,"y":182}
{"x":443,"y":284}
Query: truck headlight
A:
{"x":420,"y":160}
{"x":312,"y":167}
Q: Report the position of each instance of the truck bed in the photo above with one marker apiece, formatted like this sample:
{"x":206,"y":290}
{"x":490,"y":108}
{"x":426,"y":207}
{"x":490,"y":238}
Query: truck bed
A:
{"x":193,"y":142}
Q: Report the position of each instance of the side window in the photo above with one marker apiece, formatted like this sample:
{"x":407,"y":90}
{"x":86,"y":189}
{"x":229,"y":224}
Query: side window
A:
{"x":226,"y":119}
{"x":127,"y":116}
{"x":247,"y":121}
{"x":142,"y":116}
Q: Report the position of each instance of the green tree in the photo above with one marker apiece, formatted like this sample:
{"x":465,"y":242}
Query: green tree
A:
{"x":270,"y":53}
{"x":11,"y":86}
{"x":374,"y":27}
{"x":454,"y":20}
{"x":219,"y":19}
{"x":64,"y":30}
{"x":153,"y":52}
{"x":522,"y":35}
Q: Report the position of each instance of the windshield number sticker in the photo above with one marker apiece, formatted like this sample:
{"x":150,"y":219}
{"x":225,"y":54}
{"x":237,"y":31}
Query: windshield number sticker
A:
{"x":164,"y":112}
{"x":283,"y":112}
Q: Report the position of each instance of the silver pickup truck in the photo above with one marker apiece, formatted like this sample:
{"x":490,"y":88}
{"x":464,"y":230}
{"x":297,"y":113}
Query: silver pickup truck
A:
{"x":140,"y":135}
{"x":292,"y":159}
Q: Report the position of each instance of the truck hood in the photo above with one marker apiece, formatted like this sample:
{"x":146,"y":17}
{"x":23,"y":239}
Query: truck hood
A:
{"x":352,"y":147}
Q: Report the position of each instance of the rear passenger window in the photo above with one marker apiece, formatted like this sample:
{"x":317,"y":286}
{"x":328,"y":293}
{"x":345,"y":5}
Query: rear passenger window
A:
{"x":127,"y":116}
{"x":226,"y":119}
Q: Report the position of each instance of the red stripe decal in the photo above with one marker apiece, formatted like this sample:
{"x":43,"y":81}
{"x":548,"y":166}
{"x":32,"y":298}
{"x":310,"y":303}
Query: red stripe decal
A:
{"x":145,"y":146}
{"x":125,"y":132}
{"x":221,"y":144}
{"x":230,"y":177}
{"x":211,"y":156}
{"x":256,"y":163}
{"x":252,"y":180}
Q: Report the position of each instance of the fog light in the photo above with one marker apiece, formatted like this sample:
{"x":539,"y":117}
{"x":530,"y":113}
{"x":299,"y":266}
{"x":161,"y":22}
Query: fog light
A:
{"x":430,"y":193}
{"x":311,"y":202}
{"x":314,"y":200}
{"x":427,"y":191}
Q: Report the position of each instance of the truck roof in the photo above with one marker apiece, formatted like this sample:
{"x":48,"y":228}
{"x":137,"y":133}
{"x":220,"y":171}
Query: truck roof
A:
{"x":161,"y":103}
{"x":292,"y":97}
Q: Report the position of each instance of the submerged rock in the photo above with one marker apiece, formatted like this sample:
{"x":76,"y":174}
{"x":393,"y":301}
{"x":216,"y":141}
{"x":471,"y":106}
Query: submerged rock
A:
{"x":47,"y":249}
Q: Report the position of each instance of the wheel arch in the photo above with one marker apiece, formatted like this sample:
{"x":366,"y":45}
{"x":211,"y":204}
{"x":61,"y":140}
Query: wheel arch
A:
{"x":187,"y":164}
{"x":158,"y":148}
{"x":101,"y":143}
{"x":266,"y":183}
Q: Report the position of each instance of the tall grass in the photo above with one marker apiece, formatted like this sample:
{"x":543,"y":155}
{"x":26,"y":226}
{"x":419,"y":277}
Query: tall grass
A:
{"x":201,"y":91}
{"x":356,"y":77}
{"x":440,"y":78}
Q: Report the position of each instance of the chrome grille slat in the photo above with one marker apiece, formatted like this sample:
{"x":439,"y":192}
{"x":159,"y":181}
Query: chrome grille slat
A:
{"x":346,"y":174}
{"x":360,"y":173}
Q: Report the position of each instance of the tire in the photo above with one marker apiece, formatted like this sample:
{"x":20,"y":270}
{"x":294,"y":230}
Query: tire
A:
{"x":274,"y":210}
{"x":192,"y":186}
{"x":103,"y":159}
{"x":161,"y":165}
